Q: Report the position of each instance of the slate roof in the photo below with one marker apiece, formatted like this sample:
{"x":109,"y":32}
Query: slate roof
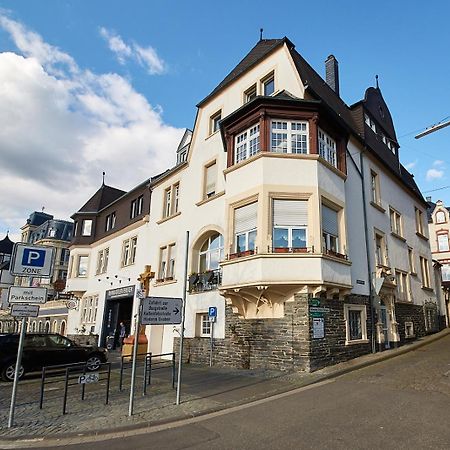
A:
{"x":103,"y":197}
{"x":6,"y":246}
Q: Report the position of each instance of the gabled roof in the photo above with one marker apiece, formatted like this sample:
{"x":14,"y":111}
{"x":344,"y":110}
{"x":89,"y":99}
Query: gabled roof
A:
{"x":103,"y":197}
{"x":6,"y":246}
{"x":256,"y":54}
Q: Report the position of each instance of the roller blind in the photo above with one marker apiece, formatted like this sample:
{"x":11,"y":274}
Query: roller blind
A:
{"x":329,"y":221}
{"x":245,"y":218}
{"x":211,"y":176}
{"x":290,"y":213}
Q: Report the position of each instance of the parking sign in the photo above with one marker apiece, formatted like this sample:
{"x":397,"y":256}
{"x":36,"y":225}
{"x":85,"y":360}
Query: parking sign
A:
{"x":212,"y":313}
{"x":32,"y":260}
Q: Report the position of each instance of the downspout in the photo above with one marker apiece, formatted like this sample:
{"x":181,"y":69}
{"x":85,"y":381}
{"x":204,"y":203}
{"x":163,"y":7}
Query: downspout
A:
{"x":366,"y":235}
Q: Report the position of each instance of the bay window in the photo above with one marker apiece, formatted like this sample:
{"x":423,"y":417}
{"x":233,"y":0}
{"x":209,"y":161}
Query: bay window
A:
{"x":290,"y":225}
{"x":245,"y":227}
{"x":247,"y":143}
{"x":327,"y":148}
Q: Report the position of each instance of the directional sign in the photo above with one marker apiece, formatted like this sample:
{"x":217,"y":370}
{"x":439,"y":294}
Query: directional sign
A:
{"x":161,"y":310}
{"x":318,"y":309}
{"x":22,"y":310}
{"x":17,"y":294}
{"x":314,"y":301}
{"x":32,"y":261}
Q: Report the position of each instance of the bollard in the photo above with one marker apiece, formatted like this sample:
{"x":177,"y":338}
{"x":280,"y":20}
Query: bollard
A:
{"x":173,"y":371}
{"x":41,"y":400}
{"x":107,"y":383}
{"x":66,"y":386}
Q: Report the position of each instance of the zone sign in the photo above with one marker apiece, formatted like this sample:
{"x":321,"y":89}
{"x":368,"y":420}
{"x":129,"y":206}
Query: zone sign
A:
{"x":32,"y":260}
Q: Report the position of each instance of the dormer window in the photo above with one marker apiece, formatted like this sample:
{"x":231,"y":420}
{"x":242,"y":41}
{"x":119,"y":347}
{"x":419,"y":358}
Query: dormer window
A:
{"x":215,"y":122}
{"x":250,"y":94}
{"x":370,"y":123}
{"x":268,"y":85}
{"x":87,"y":228}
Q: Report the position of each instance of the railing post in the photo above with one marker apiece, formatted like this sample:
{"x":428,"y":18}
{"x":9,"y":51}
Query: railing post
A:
{"x":173,"y":371}
{"x":145,"y":375}
{"x":66,"y":382}
{"x":150,"y":370}
{"x":107,"y":383}
{"x":41,"y":400}
{"x":121,"y":373}
{"x":83,"y":386}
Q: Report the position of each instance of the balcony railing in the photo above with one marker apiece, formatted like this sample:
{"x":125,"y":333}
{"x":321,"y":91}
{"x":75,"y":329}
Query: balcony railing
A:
{"x":206,"y":281}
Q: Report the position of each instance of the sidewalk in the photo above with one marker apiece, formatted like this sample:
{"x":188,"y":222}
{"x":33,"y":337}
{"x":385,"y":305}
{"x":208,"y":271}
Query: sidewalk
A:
{"x":204,"y":390}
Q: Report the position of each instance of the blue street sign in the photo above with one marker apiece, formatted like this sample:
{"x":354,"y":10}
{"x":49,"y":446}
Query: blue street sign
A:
{"x":212,"y":311}
{"x":33,"y":257}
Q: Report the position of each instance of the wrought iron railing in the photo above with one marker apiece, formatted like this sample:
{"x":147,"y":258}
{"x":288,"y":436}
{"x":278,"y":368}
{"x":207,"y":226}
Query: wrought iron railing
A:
{"x":205,"y":281}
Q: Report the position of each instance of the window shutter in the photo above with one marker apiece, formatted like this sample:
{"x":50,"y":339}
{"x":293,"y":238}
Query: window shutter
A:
{"x":329,"y":221}
{"x":211,"y":176}
{"x":245,"y":217}
{"x":290,"y":212}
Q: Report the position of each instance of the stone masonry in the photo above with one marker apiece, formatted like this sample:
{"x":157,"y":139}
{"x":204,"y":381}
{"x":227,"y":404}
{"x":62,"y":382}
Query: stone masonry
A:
{"x":284,"y":343}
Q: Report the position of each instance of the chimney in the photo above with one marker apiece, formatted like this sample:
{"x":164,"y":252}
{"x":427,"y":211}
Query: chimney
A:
{"x":429,"y":199}
{"x":332,"y":73}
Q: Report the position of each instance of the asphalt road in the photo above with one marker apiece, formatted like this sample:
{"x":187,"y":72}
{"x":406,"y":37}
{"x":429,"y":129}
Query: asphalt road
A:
{"x":402,"y":403}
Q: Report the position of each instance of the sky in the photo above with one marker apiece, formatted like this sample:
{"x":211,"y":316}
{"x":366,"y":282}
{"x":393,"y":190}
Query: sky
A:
{"x":92,"y":86}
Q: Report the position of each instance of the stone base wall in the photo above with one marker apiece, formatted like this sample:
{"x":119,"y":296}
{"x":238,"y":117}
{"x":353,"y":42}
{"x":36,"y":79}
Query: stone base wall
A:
{"x":332,"y":349}
{"x":408,"y":312}
{"x":284,"y":343}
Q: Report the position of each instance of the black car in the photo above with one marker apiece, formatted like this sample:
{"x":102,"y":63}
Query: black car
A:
{"x":45,"y":349}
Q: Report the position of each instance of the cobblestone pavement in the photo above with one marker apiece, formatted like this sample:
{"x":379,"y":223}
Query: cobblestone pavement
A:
{"x":203,"y":390}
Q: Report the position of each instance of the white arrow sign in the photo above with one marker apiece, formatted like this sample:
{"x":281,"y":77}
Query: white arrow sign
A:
{"x":161,"y":310}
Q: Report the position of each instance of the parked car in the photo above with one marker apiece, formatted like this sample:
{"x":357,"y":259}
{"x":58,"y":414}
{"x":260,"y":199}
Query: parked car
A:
{"x":45,"y":349}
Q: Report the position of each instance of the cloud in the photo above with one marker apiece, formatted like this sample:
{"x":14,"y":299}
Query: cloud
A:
{"x":146,"y":57}
{"x":438,"y":163}
{"x":433,"y":174}
{"x":411,"y":165}
{"x":62,"y":126}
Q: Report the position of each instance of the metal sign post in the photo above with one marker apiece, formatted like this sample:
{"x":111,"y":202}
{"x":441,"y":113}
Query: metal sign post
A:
{"x":212,"y":316}
{"x":135,"y":354}
{"x":17,"y":372}
{"x":183,"y":311}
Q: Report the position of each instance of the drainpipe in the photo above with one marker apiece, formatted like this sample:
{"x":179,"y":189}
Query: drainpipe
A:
{"x":366,"y":235}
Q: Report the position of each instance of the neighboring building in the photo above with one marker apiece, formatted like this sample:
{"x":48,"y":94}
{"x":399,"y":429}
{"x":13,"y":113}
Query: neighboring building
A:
{"x":297,"y":204}
{"x":7,"y":322}
{"x":108,"y":252}
{"x":439,"y":230}
{"x":42,"y":229}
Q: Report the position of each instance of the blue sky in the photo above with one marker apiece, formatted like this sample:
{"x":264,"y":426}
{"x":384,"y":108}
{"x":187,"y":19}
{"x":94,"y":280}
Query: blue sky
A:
{"x":171,"y":54}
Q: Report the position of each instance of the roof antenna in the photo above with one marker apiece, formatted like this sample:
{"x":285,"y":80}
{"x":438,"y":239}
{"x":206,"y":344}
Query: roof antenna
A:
{"x":261,"y":33}
{"x":43,"y":208}
{"x":376,"y":81}
{"x":103,"y":176}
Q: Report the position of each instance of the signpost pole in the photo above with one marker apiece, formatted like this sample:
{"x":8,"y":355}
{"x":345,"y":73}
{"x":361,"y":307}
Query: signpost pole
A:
{"x":135,"y":354}
{"x":183,"y":310}
{"x":16,"y":373}
{"x":212,"y":345}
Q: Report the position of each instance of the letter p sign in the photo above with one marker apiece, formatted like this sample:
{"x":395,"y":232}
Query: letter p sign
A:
{"x":33,"y":257}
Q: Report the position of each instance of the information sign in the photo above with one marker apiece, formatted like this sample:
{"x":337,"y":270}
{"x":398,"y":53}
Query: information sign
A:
{"x":89,"y":378}
{"x":161,"y":310}
{"x":318,"y":328}
{"x":18,"y":294}
{"x":22,"y":310}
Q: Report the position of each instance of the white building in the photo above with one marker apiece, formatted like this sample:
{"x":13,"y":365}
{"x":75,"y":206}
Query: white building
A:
{"x":299,"y":213}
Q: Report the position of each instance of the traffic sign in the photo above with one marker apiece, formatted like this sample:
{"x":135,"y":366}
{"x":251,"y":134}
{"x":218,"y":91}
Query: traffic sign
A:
{"x":18,"y":294}
{"x":22,"y":310}
{"x":32,"y":260}
{"x":161,"y":310}
{"x":212,"y":313}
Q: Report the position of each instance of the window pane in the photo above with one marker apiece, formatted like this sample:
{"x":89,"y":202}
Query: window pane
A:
{"x":355,"y":324}
{"x":251,"y":240}
{"x":240,"y":242}
{"x":215,"y":241}
{"x":214,"y":260}
{"x":298,"y":238}
{"x":269,"y":87}
{"x":280,"y":238}
{"x":203,"y":263}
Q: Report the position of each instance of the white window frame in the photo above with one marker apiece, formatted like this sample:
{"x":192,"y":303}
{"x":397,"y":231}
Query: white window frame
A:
{"x":250,"y":93}
{"x":110,"y":221}
{"x":438,"y":213}
{"x":375,"y":186}
{"x":204,"y":325}
{"x":102,"y":261}
{"x":171,"y":200}
{"x":363,"y":311}
{"x":210,"y":251}
{"x":396,"y":222}
{"x":370,"y":123}
{"x":327,"y":147}
{"x":129,"y":247}
{"x":440,"y":247}
{"x":89,"y":310}
{"x":383,"y":249}
{"x":411,"y":261}
{"x":79,"y":259}
{"x":425,"y":272}
{"x":86,"y":229}
{"x":289,"y":132}
{"x":419,"y":221}
{"x":166,"y":267}
{"x":403,"y":286}
{"x":210,"y":182}
{"x":215,"y":122}
{"x":265,"y":81}
{"x":247,"y":143}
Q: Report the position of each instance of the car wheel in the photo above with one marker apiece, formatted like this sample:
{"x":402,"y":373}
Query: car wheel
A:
{"x":93,"y":362}
{"x":9,"y":370}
